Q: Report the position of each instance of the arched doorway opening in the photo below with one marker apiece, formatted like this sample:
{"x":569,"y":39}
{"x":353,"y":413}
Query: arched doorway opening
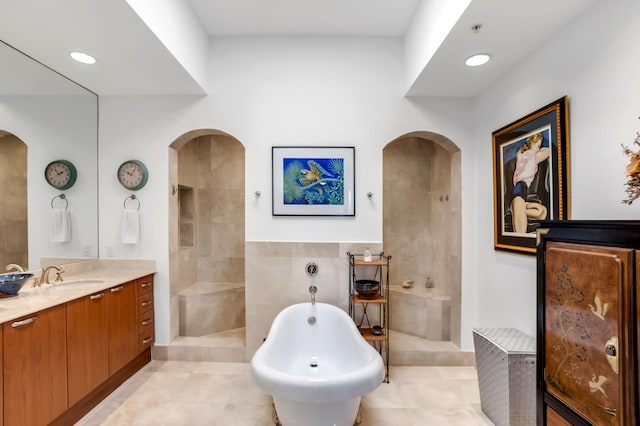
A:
{"x":207,"y":223}
{"x":422,"y":229}
{"x":14,"y":241}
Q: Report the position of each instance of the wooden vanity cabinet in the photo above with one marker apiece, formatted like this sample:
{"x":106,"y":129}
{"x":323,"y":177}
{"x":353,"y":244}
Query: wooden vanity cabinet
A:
{"x":113,"y":346}
{"x":587,"y":338}
{"x":1,"y":381}
{"x":35,"y":367}
{"x":146,"y":330}
{"x":105,"y":331}
{"x":122,"y":316}
{"x":60,"y":362}
{"x":87,"y":345}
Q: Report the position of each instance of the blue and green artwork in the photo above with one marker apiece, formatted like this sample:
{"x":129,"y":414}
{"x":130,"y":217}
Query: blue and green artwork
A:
{"x":313,"y":181}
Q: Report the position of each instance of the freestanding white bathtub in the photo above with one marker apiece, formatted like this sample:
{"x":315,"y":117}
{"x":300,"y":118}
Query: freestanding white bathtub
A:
{"x":316,"y":365}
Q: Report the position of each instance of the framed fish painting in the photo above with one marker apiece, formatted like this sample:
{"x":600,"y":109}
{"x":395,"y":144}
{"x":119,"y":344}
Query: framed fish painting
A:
{"x":313,"y":181}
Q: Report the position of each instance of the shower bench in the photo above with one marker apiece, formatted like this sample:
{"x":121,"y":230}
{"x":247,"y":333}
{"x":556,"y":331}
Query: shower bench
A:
{"x":211,"y":307}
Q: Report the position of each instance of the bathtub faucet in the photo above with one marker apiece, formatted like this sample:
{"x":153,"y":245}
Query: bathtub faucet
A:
{"x":313,"y":290}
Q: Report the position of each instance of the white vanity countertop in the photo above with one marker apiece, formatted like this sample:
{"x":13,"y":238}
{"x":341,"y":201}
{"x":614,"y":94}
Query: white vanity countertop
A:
{"x":33,"y":299}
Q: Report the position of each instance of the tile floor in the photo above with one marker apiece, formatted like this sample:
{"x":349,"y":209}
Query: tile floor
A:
{"x":217,"y":393}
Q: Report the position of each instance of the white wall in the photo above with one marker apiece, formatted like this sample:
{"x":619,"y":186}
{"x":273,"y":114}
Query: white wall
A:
{"x":53,"y":128}
{"x":276,"y":91}
{"x":594,"y":61}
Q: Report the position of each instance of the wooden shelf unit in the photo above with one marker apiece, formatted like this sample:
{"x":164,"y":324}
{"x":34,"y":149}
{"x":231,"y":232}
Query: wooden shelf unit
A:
{"x":374,"y":262}
{"x":380,"y":266}
{"x":368,"y":335}
{"x":355,"y":298}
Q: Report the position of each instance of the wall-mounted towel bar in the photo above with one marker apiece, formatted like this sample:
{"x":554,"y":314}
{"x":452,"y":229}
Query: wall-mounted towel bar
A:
{"x":63,"y":198}
{"x":134,"y":198}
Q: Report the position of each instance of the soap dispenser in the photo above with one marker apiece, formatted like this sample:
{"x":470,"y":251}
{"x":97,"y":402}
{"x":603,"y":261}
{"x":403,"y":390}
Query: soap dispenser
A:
{"x":367,"y":255}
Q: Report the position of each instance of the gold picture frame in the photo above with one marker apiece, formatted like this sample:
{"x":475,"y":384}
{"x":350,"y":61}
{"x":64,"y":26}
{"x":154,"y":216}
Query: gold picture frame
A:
{"x":530,"y":176}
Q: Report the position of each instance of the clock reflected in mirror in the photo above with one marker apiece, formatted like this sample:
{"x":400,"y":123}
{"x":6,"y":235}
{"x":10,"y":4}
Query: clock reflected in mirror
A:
{"x":133,"y":175}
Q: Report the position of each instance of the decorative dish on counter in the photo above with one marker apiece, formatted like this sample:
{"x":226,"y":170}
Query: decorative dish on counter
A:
{"x":10,"y":284}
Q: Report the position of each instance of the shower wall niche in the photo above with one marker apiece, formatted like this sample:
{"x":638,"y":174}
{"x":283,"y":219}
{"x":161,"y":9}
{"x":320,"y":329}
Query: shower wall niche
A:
{"x":209,"y":284}
{"x":421,"y":230}
{"x":186,"y":216}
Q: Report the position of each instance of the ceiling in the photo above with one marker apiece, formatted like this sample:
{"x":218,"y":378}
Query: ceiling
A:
{"x":305,"y":17}
{"x":129,"y":52}
{"x":23,"y":76}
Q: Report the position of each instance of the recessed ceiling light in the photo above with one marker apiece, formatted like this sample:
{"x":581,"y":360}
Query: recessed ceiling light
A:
{"x":477,"y":60}
{"x":83,"y":58}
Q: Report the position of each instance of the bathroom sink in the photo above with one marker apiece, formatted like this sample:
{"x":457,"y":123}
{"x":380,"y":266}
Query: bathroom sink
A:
{"x":74,"y":285}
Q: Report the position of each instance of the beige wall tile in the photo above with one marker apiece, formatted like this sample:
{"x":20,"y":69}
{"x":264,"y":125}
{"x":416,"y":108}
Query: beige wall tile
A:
{"x":276,"y":278}
{"x":187,"y":158}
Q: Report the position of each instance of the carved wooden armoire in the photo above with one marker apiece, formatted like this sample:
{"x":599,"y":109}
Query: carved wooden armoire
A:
{"x":587,"y":334}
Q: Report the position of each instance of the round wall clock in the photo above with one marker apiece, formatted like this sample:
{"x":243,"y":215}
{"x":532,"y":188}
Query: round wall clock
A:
{"x":133,"y":174}
{"x":61,"y":174}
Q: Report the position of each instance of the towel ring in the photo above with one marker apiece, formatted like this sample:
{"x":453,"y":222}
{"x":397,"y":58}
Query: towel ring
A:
{"x":62,"y":197}
{"x":132,"y":197}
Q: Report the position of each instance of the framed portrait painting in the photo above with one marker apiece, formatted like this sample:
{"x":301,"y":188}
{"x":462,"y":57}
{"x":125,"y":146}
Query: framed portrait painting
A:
{"x":313,"y":181}
{"x":530,"y":176}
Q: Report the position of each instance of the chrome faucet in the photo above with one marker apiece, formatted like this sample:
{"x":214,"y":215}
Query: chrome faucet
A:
{"x":44,"y":277}
{"x":14,"y":266}
{"x":313,"y":290}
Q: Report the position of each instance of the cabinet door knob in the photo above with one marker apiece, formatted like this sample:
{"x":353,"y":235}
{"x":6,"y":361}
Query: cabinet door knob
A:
{"x":146,"y":303}
{"x":116,"y":289}
{"x":145,"y":285}
{"x":96,"y":296}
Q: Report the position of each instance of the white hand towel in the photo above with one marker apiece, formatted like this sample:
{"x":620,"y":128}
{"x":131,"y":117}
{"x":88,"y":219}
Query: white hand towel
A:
{"x":130,"y":226}
{"x":60,"y":226}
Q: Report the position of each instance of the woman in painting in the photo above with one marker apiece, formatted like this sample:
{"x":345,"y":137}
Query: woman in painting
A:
{"x":529,"y":155}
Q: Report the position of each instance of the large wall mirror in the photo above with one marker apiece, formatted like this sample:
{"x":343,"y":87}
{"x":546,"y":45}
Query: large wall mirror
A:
{"x":45,"y":117}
